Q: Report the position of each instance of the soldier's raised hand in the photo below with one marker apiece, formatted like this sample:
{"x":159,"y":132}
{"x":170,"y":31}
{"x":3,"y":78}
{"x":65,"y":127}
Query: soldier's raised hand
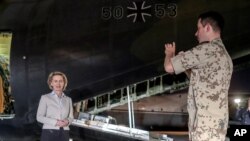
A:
{"x":170,"y":49}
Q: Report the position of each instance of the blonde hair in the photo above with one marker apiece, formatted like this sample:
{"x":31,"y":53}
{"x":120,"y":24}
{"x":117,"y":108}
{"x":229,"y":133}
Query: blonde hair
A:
{"x":52,"y":74}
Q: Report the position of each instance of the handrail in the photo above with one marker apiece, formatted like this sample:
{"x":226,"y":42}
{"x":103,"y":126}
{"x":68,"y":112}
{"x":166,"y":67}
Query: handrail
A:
{"x":139,"y":90}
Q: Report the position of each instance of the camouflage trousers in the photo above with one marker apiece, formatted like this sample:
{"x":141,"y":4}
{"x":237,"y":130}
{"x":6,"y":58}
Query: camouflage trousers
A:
{"x":206,"y":124}
{"x":206,"y":134}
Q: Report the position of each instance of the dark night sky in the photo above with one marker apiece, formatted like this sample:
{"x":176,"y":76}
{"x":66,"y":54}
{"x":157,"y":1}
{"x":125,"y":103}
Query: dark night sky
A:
{"x":240,"y":82}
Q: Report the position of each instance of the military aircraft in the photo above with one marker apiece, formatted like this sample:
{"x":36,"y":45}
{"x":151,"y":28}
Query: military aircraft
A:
{"x":109,"y":47}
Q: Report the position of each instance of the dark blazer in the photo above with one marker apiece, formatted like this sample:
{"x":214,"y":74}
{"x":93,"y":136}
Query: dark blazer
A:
{"x":243,"y":115}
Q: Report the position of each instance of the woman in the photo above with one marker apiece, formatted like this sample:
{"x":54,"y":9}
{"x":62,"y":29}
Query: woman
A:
{"x":55,"y":110}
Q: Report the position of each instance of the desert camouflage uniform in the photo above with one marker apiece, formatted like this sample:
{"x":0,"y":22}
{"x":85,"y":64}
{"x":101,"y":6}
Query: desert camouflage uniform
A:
{"x":211,"y":70}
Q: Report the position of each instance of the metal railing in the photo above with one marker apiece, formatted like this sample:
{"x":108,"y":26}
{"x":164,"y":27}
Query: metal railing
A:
{"x":136,"y":91}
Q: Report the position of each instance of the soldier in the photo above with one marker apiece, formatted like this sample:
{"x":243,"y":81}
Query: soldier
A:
{"x":210,"y":69}
{"x":243,"y":114}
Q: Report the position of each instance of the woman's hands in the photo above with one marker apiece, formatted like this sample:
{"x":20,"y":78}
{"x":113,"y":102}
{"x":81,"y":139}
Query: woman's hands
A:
{"x":62,"y":123}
